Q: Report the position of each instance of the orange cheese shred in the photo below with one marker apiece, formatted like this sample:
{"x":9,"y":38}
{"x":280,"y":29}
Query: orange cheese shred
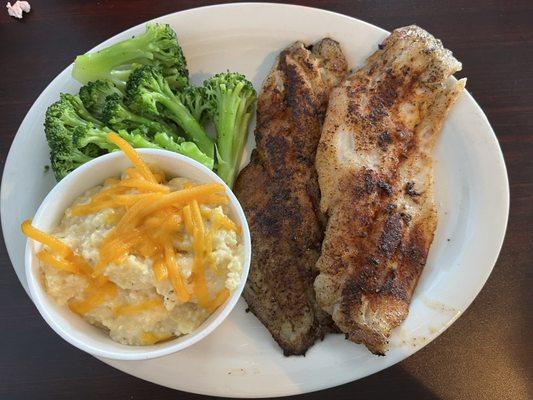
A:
{"x":141,"y":184}
{"x":94,"y":298}
{"x":198,"y":236}
{"x":92,"y":207}
{"x":148,"y":338}
{"x":182,"y":197}
{"x":219,"y":299}
{"x":160,"y":270}
{"x":132,"y":155}
{"x":136,"y":308}
{"x":226,"y":223}
{"x":111,"y":181}
{"x":197,"y":218}
{"x":174,"y":274}
{"x":133,"y":173}
{"x":215,"y":200}
{"x":134,"y":214}
{"x":187,"y":220}
{"x":53,"y":243}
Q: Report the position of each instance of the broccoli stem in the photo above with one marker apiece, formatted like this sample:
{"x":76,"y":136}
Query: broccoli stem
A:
{"x":183,"y":117}
{"x":100,"y":140}
{"x":188,"y":149}
{"x":232,"y":127}
{"x":157,"y":46}
{"x":137,"y":140}
{"x":92,"y":66}
{"x":225,"y":136}
{"x":164,"y":141}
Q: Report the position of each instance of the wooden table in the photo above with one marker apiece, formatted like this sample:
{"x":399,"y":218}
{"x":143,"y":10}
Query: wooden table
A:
{"x":484,"y":355}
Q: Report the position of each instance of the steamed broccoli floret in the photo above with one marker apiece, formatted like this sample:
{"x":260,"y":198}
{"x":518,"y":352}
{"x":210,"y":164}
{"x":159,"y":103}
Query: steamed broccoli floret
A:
{"x":65,"y":161}
{"x":195,"y":99}
{"x":158,"y":46}
{"x":62,"y":119}
{"x":118,"y":116}
{"x":71,"y":111}
{"x":232,"y":98}
{"x":64,"y":156}
{"x":148,"y":93}
{"x":94,"y":94}
{"x":90,"y":134}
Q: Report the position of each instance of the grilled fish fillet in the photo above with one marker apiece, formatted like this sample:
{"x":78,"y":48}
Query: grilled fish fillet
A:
{"x":374,"y":164}
{"x":279,"y":193}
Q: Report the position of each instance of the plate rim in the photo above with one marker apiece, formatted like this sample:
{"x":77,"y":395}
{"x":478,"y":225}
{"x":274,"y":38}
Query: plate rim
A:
{"x":505,"y":200}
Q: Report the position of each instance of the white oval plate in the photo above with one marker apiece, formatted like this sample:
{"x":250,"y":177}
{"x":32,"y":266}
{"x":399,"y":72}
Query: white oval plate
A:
{"x":240,"y":359}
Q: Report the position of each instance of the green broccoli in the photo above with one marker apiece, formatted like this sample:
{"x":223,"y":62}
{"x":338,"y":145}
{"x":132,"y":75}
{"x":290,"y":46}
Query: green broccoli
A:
{"x":93,"y":96}
{"x":71,"y":111}
{"x":118,"y":116}
{"x":90,"y":134}
{"x":195,"y":99}
{"x":188,"y":149}
{"x":232,"y":99}
{"x":67,"y":160}
{"x":158,"y":46}
{"x":62,"y":119}
{"x":148,"y":93}
{"x":165,"y":142}
{"x":137,"y":140}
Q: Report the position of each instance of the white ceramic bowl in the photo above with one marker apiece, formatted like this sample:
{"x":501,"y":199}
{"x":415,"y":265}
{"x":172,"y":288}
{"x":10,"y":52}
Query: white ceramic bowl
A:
{"x":72,"y":327}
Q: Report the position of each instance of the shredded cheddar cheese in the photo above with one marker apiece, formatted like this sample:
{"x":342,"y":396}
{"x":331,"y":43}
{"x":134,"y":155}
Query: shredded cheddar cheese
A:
{"x":160,"y":270}
{"x":132,"y":309}
{"x":220,"y":299}
{"x":141,"y":184}
{"x":148,"y":338}
{"x":132,"y":155}
{"x":94,"y":298}
{"x":226,"y":223}
{"x":54,"y":244}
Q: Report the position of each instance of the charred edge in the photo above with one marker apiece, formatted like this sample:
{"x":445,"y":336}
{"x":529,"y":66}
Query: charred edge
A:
{"x":288,"y":349}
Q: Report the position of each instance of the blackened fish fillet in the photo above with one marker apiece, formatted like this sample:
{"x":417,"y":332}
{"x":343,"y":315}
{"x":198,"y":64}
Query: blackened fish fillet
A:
{"x":279,"y":194}
{"x":374,"y":163}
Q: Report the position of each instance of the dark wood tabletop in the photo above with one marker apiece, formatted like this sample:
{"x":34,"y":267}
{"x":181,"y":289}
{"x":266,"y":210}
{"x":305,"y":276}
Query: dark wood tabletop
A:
{"x":486,"y":354}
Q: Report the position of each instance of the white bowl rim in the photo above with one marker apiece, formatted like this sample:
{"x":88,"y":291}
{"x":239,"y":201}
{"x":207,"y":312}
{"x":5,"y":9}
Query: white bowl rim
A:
{"x":142,"y":352}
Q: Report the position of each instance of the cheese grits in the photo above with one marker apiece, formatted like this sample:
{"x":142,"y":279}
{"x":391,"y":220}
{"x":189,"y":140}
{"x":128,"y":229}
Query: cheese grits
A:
{"x":144,"y":258}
